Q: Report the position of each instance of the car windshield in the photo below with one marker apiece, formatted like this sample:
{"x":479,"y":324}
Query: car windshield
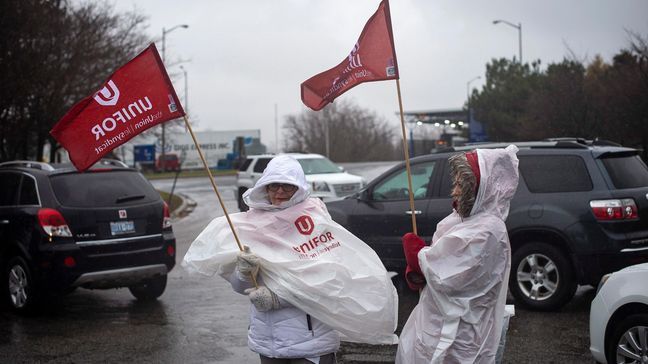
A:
{"x":102,"y":189}
{"x":318,"y":165}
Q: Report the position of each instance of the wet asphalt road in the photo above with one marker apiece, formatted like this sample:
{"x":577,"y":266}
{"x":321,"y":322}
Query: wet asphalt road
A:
{"x":197,"y":320}
{"x":200,"y":320}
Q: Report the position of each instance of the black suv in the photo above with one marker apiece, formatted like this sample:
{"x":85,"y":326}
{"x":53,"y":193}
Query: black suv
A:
{"x":61,"y":229}
{"x":580,"y":211}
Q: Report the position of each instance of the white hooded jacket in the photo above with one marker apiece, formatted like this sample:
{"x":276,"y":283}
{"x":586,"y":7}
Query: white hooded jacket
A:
{"x":286,"y":332}
{"x":460,"y":312}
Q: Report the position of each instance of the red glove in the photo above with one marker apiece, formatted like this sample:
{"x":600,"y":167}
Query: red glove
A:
{"x":412,"y":244}
{"x":415,"y":281}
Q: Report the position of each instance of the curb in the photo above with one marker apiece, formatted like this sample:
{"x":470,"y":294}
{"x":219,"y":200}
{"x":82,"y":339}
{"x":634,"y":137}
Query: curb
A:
{"x":185,"y":208}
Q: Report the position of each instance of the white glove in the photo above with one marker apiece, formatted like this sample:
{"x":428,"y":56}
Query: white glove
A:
{"x":247,"y":263}
{"x":263,"y":299}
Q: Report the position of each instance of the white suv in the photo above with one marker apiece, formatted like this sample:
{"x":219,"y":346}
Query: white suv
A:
{"x":619,"y":317}
{"x":328,"y":181}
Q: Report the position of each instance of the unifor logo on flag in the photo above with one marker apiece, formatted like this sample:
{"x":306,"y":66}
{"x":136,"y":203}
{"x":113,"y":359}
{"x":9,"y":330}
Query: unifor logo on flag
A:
{"x":373,"y":58}
{"x":138,"y":96}
{"x":108,"y":95}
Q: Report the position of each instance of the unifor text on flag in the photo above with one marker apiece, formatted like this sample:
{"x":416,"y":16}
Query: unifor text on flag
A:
{"x":373,"y":58}
{"x":138,"y":96}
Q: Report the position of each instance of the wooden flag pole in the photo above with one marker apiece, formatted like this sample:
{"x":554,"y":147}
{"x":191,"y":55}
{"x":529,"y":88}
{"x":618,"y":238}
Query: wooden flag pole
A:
{"x":213,"y":183}
{"x":407,"y":159}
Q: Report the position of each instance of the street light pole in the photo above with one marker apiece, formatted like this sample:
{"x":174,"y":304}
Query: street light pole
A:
{"x":468,"y":88}
{"x":164,"y":33}
{"x":468,"y":119}
{"x":186,"y":91}
{"x":519,"y":28}
{"x":276,"y":120}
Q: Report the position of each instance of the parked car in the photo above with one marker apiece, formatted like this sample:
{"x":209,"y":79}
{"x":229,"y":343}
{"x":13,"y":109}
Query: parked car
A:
{"x":328,"y":181}
{"x":61,"y":229}
{"x":171,"y":163}
{"x":580,"y":211}
{"x":619,"y":317}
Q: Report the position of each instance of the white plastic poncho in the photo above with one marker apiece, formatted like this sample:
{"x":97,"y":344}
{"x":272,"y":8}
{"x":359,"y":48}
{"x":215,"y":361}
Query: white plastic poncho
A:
{"x":460,"y":312}
{"x":307,"y":259}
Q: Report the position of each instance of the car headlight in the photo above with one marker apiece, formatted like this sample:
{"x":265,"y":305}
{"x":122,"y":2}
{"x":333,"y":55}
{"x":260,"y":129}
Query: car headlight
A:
{"x":602,"y":282}
{"x":320,"y":187}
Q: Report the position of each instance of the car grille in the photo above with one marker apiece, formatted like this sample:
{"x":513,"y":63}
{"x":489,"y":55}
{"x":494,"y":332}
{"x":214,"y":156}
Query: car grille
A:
{"x":345,"y":189}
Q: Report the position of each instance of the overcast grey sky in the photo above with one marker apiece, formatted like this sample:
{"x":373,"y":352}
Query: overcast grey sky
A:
{"x":245,"y":56}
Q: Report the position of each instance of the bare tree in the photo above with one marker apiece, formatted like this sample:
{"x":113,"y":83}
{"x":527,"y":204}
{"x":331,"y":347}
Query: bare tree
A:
{"x":354,"y":134}
{"x":53,"y":54}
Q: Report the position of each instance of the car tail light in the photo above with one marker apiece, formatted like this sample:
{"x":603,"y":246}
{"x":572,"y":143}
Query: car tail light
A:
{"x":69,"y":262}
{"x":166,"y":221}
{"x":170,"y":250}
{"x":611,"y":210}
{"x":53,"y":223}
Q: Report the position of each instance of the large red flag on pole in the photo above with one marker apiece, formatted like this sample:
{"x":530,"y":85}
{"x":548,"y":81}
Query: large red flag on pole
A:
{"x":373,"y":58}
{"x":137,"y":96}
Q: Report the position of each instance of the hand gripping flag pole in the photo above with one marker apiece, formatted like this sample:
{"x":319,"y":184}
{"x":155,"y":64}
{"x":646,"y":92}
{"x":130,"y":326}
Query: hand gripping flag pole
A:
{"x":373,"y":58}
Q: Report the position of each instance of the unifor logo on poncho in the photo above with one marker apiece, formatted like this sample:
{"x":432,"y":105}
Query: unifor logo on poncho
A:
{"x":317,"y":245}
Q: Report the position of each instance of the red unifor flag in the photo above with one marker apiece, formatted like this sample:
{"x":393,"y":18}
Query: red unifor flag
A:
{"x":373,"y":58}
{"x":138,"y":96}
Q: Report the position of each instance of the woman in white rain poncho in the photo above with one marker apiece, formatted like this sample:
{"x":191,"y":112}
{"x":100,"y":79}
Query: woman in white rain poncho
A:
{"x":316,"y":280}
{"x":465,"y":269}
{"x":277,"y":328}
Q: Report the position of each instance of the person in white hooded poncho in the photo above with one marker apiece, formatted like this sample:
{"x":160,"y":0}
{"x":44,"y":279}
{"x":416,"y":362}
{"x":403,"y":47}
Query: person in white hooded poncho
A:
{"x":464,"y":272}
{"x":278,"y":329}
{"x":316,"y":281}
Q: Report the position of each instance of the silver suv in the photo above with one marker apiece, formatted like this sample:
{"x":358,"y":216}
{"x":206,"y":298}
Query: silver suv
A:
{"x":328,"y":181}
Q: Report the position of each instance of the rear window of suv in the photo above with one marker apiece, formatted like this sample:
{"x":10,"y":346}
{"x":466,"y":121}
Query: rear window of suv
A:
{"x":626,"y":171}
{"x":555,"y":173}
{"x":103,"y":189}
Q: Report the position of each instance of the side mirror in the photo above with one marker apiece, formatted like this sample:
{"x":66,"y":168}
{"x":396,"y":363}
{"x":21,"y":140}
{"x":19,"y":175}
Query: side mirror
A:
{"x":364,"y":195}
{"x":341,"y":169}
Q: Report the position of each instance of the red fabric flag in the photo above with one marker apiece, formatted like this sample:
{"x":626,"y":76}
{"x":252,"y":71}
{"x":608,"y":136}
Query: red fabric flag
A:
{"x":373,"y":58}
{"x":137,"y":96}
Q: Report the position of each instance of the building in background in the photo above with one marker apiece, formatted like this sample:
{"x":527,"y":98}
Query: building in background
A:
{"x":221,"y":149}
{"x":429,"y":131}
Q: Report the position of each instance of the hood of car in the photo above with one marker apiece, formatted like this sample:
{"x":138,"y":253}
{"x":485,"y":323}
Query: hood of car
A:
{"x":334,"y":178}
{"x":635,"y":268}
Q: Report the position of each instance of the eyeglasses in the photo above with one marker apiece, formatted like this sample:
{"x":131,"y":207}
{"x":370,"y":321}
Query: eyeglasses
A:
{"x":274,"y":187}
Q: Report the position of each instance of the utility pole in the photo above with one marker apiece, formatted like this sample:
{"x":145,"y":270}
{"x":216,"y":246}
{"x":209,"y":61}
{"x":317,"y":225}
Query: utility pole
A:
{"x":164,"y":33}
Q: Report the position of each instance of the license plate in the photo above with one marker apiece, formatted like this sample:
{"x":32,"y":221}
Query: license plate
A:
{"x":122,"y":227}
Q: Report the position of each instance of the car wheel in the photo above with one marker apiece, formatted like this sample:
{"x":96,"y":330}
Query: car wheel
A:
{"x":629,"y":340}
{"x":541,"y":277}
{"x":149,"y":290}
{"x":241,"y":205}
{"x":19,"y":285}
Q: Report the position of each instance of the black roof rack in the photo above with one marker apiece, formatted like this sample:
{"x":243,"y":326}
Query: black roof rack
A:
{"x":112,"y":163}
{"x":576,"y":144}
{"x":62,"y":167}
{"x":604,"y":142}
{"x":28,"y":164}
{"x":567,"y":139}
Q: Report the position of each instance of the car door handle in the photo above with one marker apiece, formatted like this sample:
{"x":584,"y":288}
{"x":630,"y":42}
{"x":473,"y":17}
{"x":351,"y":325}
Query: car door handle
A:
{"x":416,"y":212}
{"x":4,"y":222}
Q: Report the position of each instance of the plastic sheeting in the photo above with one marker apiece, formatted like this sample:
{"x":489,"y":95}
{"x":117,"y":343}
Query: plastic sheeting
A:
{"x":310,"y":261}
